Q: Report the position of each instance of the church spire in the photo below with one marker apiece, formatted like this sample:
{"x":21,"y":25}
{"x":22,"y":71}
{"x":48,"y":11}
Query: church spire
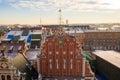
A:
{"x":60,"y":17}
{"x":3,"y":52}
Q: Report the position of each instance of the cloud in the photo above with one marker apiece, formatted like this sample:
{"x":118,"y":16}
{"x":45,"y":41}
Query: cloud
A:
{"x":8,"y":0}
{"x":29,"y":4}
{"x":113,"y":4}
{"x":67,"y":5}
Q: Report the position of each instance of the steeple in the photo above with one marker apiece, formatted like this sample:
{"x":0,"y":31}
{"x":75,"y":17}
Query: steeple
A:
{"x":40,"y":21}
{"x":60,"y":17}
{"x":3,"y":56}
{"x":60,"y":20}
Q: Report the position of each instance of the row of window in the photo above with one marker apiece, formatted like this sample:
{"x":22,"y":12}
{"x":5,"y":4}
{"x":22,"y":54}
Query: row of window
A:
{"x":102,"y":41}
{"x":71,"y":43}
{"x":71,"y":52}
{"x":64,"y":63}
{"x":99,"y":43}
{"x":102,"y":47}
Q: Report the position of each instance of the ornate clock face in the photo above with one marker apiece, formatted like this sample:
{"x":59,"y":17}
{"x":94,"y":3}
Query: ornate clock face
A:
{"x":4,"y":65}
{"x":60,"y":42}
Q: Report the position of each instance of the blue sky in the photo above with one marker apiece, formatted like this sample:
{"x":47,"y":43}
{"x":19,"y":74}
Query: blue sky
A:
{"x":76,"y":11}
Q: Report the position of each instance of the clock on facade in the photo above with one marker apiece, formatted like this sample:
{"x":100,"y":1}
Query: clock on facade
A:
{"x":4,"y":65}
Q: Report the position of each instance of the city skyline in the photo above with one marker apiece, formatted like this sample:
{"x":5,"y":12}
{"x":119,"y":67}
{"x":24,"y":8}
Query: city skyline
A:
{"x":76,"y":11}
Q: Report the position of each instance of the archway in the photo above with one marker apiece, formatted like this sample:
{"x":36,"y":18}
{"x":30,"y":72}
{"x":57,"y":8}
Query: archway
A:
{"x":3,"y":77}
{"x":8,"y":77}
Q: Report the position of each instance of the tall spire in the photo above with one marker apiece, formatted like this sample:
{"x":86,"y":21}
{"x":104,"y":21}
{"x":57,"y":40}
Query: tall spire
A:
{"x":66,"y":21}
{"x":3,"y":52}
{"x":60,"y":17}
{"x":40,"y":22}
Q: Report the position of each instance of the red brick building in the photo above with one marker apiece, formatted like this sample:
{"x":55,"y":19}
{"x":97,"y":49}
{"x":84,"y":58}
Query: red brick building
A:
{"x":102,"y":40}
{"x":91,"y":40}
{"x":61,"y":59}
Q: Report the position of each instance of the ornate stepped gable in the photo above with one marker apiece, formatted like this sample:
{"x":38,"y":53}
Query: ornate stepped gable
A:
{"x":61,"y":58}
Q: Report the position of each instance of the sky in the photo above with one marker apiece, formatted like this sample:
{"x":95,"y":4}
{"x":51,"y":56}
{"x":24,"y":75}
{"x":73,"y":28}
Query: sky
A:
{"x":75,"y":11}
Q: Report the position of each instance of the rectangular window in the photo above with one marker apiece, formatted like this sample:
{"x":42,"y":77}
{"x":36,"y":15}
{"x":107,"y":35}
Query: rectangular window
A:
{"x":57,"y":52}
{"x":57,"y":63}
{"x":64,"y":61}
{"x":50,"y":66}
{"x":78,"y":67}
{"x":50,"y":52}
{"x":50,"y":61}
{"x":71,"y":63}
{"x":44,"y":66}
{"x":71,"y":52}
{"x":64,"y":52}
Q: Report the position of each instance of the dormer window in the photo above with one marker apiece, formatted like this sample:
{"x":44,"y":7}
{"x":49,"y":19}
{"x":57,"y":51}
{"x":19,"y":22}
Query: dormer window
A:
{"x":78,"y":56}
{"x":19,"y":48}
{"x":11,"y":49}
{"x":42,"y":56}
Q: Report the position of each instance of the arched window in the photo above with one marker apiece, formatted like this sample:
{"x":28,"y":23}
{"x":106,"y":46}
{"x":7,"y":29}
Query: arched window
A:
{"x":3,"y":77}
{"x":8,"y":77}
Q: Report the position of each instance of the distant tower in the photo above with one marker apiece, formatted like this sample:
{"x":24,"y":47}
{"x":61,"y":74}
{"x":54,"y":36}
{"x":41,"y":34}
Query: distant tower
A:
{"x":40,"y":22}
{"x":60,"y":17}
{"x":66,"y":21}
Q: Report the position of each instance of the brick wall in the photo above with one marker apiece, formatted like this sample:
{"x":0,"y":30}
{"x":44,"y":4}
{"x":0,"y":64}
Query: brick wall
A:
{"x":62,"y":57}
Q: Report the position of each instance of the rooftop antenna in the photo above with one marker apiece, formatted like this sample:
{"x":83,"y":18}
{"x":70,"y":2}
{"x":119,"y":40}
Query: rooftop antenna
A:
{"x":60,"y":17}
{"x":40,"y":22}
{"x":66,"y":21}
